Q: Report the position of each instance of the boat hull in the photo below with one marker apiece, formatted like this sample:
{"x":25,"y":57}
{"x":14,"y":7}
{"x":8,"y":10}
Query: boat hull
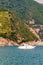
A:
{"x":26,"y":47}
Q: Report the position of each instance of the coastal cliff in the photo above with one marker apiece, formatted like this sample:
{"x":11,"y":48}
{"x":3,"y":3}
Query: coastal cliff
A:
{"x":16,"y":20}
{"x":13,"y":28}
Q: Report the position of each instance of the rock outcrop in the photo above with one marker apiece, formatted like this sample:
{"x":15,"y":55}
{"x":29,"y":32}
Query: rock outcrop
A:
{"x":7,"y":42}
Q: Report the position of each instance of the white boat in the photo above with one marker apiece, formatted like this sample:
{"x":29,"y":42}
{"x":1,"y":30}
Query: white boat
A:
{"x":26,"y":46}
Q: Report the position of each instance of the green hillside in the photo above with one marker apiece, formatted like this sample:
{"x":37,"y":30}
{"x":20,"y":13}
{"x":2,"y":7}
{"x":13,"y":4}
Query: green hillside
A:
{"x":14,"y":14}
{"x":24,"y":9}
{"x":13,"y":28}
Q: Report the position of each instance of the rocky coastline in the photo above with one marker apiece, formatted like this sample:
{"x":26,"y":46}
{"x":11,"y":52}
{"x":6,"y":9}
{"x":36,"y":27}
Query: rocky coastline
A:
{"x":7,"y":42}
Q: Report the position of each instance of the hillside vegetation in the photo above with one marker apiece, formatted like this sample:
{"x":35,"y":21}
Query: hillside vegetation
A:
{"x":24,"y":9}
{"x":13,"y":16}
{"x":13,"y":28}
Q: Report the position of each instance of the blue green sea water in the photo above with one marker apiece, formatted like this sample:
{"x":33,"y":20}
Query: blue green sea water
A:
{"x":15,"y":56}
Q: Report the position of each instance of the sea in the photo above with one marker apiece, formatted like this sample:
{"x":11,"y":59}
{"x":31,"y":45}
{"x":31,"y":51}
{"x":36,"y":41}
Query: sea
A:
{"x":14,"y":56}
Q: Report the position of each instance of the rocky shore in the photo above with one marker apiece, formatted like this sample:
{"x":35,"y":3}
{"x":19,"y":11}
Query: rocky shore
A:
{"x":33,"y":43}
{"x":7,"y":42}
